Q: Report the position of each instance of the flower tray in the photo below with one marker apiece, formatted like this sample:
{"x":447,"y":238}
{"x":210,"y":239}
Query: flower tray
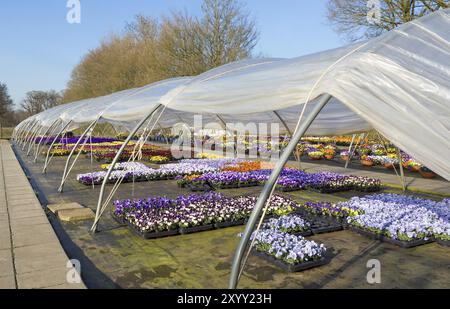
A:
{"x":365,"y":233}
{"x":368,"y":190}
{"x":287,"y":189}
{"x":247,"y":185}
{"x":155,"y":235}
{"x":289,"y":267}
{"x":445,"y":243}
{"x":222,"y":225}
{"x":204,"y":188}
{"x":196,"y":229}
{"x":118,"y":219}
{"x":304,"y":233}
{"x":328,"y":190}
{"x":326,"y":229}
{"x":406,"y":244}
{"x":396,"y":242}
{"x":151,"y":235}
{"x":223,"y":187}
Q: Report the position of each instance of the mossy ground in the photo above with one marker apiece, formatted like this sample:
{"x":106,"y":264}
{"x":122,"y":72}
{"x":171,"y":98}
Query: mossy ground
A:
{"x":203,"y":260}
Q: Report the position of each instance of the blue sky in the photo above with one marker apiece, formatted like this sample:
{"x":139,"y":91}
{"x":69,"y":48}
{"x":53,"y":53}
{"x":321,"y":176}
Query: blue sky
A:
{"x":39,"y":48}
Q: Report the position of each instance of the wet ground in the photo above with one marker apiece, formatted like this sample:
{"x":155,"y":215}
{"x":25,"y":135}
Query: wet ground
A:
{"x":117,"y":258}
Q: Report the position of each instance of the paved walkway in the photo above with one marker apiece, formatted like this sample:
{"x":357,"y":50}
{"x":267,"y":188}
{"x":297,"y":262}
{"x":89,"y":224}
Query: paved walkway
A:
{"x":31,"y":256}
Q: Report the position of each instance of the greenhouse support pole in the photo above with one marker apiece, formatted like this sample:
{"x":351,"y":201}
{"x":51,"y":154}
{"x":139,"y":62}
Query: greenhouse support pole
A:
{"x":224,"y":126}
{"x":268,"y":189}
{"x":32,"y":141}
{"x":25,"y":131}
{"x":113,"y":164}
{"x":44,"y":170}
{"x":296,"y":154}
{"x":66,"y":167}
{"x":27,"y":134}
{"x":350,"y":151}
{"x":402,"y":172}
{"x":19,"y":132}
{"x":40,"y":141}
{"x":30,"y":129}
{"x":29,"y":137}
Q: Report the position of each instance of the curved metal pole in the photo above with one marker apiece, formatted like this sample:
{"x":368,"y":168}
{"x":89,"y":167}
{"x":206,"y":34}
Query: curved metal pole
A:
{"x":19,"y":131}
{"x":296,"y":154}
{"x":14,"y":133}
{"x":25,"y":131}
{"x":350,"y":151}
{"x":51,"y":146}
{"x":33,"y":138}
{"x":65,"y":173}
{"x":36,"y":154}
{"x":268,"y":188}
{"x":30,"y":137}
{"x":113,"y":164}
{"x":27,"y":134}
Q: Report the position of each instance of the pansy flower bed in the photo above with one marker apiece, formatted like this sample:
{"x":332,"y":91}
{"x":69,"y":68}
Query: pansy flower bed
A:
{"x":290,"y":180}
{"x":290,"y":252}
{"x":402,"y":220}
{"x":291,"y":224}
{"x":210,"y":174}
{"x":185,"y":214}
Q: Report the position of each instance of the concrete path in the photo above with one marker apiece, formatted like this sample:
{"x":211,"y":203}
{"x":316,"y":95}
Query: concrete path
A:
{"x":31,"y":256}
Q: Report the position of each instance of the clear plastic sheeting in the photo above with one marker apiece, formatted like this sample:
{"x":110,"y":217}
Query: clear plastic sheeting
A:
{"x":398,"y":84}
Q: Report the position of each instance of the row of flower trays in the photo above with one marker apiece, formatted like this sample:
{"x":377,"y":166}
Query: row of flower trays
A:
{"x":162,"y":217}
{"x":404,"y":221}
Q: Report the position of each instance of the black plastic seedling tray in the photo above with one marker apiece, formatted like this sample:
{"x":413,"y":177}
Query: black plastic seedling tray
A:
{"x":290,"y":267}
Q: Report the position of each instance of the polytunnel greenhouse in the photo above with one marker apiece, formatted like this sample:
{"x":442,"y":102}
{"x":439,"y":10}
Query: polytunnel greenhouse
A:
{"x":395,"y":87}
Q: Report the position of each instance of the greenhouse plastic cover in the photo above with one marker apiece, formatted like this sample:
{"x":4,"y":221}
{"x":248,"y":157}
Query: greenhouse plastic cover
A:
{"x":398,"y":84}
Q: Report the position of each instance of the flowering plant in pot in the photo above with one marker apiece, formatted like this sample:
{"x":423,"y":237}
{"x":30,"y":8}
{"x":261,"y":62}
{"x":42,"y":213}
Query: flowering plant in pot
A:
{"x":329,"y":153}
{"x":427,"y":173}
{"x":367,"y":161}
{"x":414,"y":166}
{"x":389,"y":162}
{"x":365,"y":150}
{"x":159,"y":159}
{"x":345,"y":155}
{"x":316,"y":155}
{"x":299,"y":150}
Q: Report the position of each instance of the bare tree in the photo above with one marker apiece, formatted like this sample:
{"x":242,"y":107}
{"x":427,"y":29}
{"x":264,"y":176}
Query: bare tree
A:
{"x":39,"y":101}
{"x":228,"y":32}
{"x":349,"y":17}
{"x":150,"y":50}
